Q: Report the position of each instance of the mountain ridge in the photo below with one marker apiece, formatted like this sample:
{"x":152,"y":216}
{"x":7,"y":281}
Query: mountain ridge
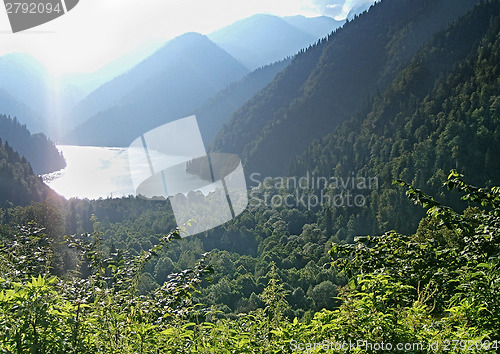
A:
{"x":440,"y":113}
{"x":344,"y":74}
{"x":263,"y":39}
{"x":212,"y":115}
{"x":172,"y":83}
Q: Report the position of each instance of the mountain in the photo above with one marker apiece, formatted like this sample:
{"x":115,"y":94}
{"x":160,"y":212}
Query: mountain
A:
{"x":18,"y":184}
{"x":13,"y":107}
{"x":442,"y":112}
{"x":263,"y":39}
{"x":170,"y":84}
{"x":329,"y":82}
{"x":319,"y":27}
{"x":40,"y":152}
{"x":88,"y":82}
{"x":75,"y":87}
{"x":29,"y":92}
{"x":25,"y":90}
{"x":212,"y":115}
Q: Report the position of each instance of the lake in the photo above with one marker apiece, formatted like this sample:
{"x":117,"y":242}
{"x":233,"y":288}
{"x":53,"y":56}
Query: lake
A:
{"x":92,"y":172}
{"x":103,"y":172}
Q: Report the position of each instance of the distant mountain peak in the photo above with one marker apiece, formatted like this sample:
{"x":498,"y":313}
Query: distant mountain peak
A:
{"x":187,"y":35}
{"x":174,"y":81}
{"x":23,"y":62}
{"x":264,"y":39}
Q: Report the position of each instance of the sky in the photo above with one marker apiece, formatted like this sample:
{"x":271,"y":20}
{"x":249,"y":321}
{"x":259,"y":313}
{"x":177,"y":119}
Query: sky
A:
{"x":96,"y":32}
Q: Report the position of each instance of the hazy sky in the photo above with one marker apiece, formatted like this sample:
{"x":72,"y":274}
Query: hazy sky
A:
{"x":98,"y":31}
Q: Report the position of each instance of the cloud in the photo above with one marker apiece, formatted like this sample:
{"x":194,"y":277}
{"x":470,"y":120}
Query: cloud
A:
{"x":329,"y":7}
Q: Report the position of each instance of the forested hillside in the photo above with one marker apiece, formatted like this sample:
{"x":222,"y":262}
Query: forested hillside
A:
{"x":447,"y":297}
{"x":18,"y":184}
{"x":440,"y":113}
{"x":329,"y":82}
{"x":41,"y":153}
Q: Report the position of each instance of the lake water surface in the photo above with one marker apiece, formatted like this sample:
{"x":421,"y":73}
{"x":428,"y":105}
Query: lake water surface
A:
{"x":102,"y":172}
{"x":92,"y":172}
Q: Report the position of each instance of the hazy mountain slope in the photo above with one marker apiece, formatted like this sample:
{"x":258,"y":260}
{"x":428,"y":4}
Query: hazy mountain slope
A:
{"x":25,"y":90}
{"x":442,"y":112}
{"x":170,"y":84}
{"x":112,"y":92}
{"x":84,"y":83}
{"x":40,"y":152}
{"x":263,"y":39}
{"x":9,"y":105}
{"x":319,"y":27}
{"x":328,"y":83}
{"x":212,"y":115}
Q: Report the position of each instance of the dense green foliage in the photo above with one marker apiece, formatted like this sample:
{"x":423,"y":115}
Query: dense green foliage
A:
{"x":435,"y":289}
{"x":40,"y":152}
{"x":241,"y":250}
